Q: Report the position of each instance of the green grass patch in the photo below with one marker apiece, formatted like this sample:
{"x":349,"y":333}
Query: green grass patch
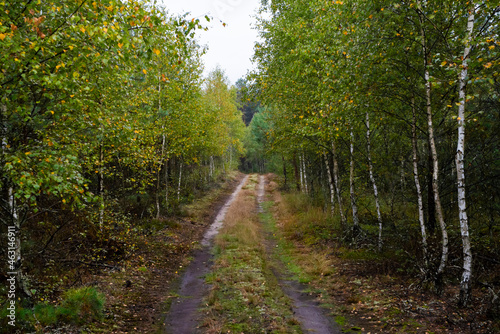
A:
{"x":78,"y":306}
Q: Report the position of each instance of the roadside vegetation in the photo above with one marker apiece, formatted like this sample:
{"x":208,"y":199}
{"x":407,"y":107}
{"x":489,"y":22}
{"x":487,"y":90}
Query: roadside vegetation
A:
{"x":364,"y":290}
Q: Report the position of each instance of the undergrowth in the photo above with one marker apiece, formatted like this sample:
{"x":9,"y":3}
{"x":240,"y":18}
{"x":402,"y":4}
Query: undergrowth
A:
{"x":78,"y":306}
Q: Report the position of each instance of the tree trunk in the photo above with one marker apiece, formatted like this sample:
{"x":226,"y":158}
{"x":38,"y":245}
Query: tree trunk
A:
{"x":330,"y":183}
{"x":465,"y":284}
{"x":179,"y":185}
{"x":417,"y":184}
{"x":101,"y":186}
{"x":431,"y":205}
{"x":435,"y":161}
{"x":296,"y":172}
{"x":301,"y":165}
{"x":284,"y":171}
{"x":372,"y":178}
{"x":212,"y":166}
{"x":355,"y":219}
{"x":166,"y":164}
{"x":305,"y":172}
{"x":158,"y":176}
{"x":336,"y":181}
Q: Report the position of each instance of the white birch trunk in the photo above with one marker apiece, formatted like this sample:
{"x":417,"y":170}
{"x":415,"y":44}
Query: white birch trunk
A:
{"x":372,"y":178}
{"x":101,"y":186}
{"x":211,"y":173}
{"x":305,"y":173}
{"x":336,"y":181}
{"x":166,"y":182}
{"x":16,"y":222}
{"x":330,"y":183}
{"x":161,"y":156}
{"x":465,"y":284}
{"x":158,"y":176}
{"x":423,"y":231}
{"x":354,"y":206}
{"x":179,"y":185}
{"x":301,"y":173}
{"x":435,"y":161}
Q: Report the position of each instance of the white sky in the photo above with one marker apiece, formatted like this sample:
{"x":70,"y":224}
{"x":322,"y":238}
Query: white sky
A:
{"x":231,"y":47}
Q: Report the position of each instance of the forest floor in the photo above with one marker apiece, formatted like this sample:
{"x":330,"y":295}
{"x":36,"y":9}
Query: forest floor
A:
{"x":138,"y":295}
{"x":260,"y":275}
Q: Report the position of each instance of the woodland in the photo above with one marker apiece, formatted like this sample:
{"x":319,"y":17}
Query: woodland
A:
{"x":384,"y":114}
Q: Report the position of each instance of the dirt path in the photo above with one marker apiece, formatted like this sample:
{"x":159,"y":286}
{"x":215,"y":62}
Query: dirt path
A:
{"x":312,"y":318}
{"x":183,"y":315}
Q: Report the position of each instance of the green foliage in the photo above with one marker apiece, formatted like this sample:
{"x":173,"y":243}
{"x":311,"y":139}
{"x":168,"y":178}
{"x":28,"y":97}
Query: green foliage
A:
{"x":81,"y":305}
{"x":78,"y":306}
{"x":102,"y":111}
{"x":323,"y":67}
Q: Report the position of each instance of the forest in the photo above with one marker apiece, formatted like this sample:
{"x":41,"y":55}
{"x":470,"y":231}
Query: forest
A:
{"x":384,"y":115}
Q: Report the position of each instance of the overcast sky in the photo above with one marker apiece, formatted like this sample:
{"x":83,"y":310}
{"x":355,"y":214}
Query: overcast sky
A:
{"x":231,"y":47}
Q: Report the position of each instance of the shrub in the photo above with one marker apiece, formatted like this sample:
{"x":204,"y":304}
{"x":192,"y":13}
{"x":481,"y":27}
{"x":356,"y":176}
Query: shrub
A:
{"x":81,"y":305}
{"x":45,"y":314}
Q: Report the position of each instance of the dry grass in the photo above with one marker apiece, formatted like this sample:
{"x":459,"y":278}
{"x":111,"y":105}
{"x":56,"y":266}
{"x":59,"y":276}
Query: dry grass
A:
{"x":241,"y":221}
{"x":244,"y":296}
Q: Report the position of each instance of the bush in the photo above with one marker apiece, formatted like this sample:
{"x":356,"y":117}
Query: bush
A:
{"x":45,"y":314}
{"x":81,"y":305}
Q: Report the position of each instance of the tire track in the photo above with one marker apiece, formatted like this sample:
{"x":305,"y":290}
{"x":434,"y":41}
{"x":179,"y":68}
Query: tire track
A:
{"x":183,"y":316}
{"x":306,"y":309}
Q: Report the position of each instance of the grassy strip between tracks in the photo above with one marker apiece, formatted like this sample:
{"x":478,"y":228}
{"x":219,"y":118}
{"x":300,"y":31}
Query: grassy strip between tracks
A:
{"x":245,"y":296}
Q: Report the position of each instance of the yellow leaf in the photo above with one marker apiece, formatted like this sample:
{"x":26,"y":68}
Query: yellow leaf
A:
{"x":444,"y":63}
{"x":2,"y":36}
{"x":82,"y":29}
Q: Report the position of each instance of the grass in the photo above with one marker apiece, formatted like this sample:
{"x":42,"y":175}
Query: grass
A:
{"x":245,"y":296}
{"x":79,"y":306}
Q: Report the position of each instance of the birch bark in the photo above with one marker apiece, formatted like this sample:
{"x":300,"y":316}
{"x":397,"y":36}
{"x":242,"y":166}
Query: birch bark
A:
{"x":465,"y":284}
{"x":179,"y":184}
{"x":435,"y":161}
{"x":423,"y":231}
{"x":330,"y":183}
{"x":305,"y":172}
{"x":354,"y":206}
{"x":336,"y":181}
{"x":372,"y":179}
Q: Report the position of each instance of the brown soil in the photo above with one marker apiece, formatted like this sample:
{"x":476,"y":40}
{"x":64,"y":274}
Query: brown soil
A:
{"x":138,"y":295}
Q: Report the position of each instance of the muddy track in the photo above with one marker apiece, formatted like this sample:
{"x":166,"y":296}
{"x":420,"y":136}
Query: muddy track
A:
{"x":183,"y":316}
{"x":306,"y":309}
